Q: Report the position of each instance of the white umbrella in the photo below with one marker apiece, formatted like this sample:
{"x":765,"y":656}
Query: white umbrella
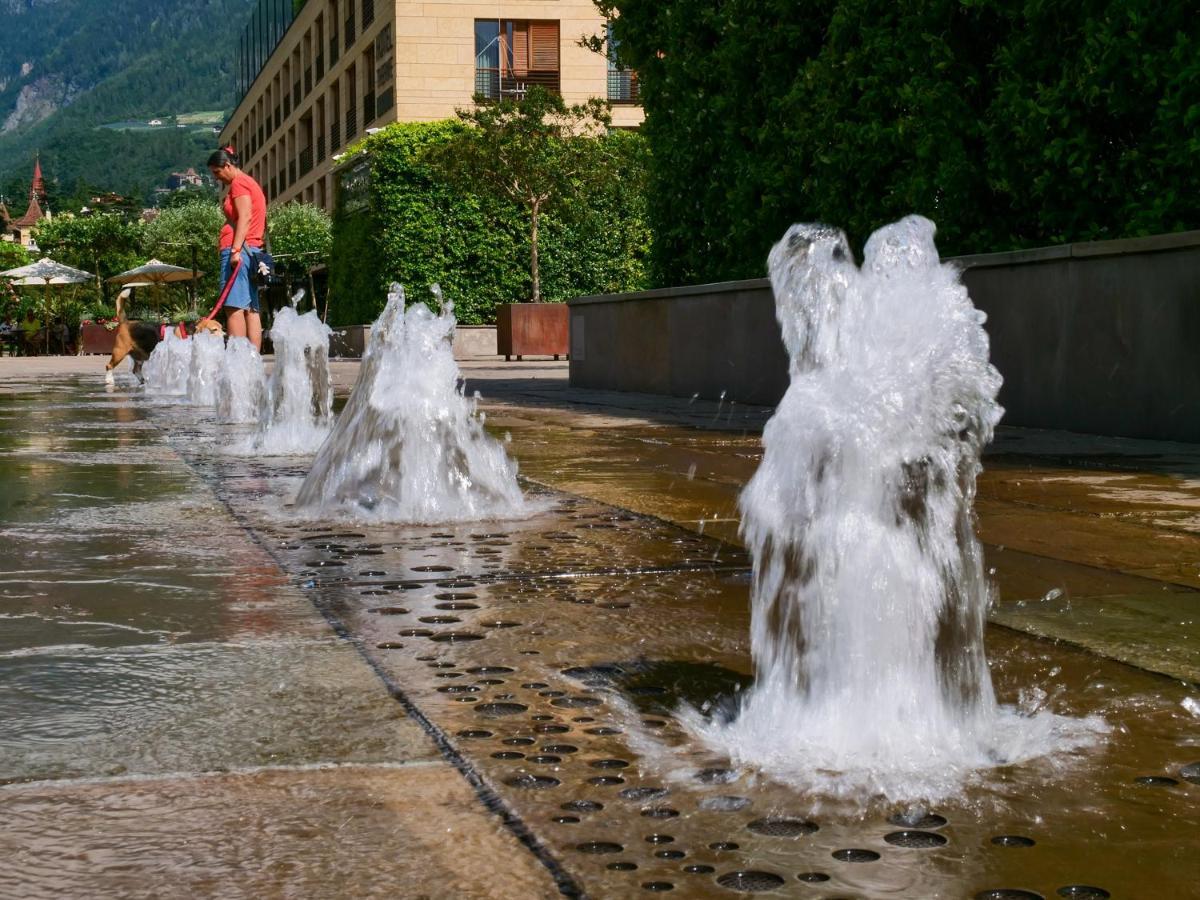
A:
{"x":46,"y":272}
{"x":156,"y":272}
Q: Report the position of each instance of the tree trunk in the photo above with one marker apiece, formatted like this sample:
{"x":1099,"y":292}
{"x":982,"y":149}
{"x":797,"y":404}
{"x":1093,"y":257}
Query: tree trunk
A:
{"x":533,"y":253}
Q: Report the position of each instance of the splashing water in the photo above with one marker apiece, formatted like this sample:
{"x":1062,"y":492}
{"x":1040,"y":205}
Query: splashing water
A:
{"x":869,"y":596}
{"x":166,"y":371}
{"x":204,"y":372}
{"x":409,"y":447}
{"x":241,"y":385}
{"x":298,"y":412}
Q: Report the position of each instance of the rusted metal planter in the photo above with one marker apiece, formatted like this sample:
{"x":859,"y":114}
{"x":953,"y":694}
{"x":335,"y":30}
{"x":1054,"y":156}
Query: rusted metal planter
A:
{"x":96,"y":339}
{"x":532,"y":329}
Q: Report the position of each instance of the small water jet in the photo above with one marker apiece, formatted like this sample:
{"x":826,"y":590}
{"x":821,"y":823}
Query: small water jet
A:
{"x":166,"y":371}
{"x":205,"y":368}
{"x":241,"y":383}
{"x":409,"y":447}
{"x":298,"y":413}
{"x":869,"y":595}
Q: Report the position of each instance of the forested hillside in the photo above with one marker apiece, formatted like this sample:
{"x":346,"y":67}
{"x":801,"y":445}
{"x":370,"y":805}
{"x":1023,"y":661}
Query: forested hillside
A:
{"x":68,"y":67}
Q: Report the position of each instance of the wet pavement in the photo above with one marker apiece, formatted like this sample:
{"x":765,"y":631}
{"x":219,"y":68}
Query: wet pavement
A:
{"x":207,"y":697}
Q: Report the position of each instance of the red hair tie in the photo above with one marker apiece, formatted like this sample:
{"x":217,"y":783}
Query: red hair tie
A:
{"x":229,"y":149}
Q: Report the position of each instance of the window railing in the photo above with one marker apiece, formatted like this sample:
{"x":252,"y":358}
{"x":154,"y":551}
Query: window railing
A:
{"x":287,"y":105}
{"x":308,"y":81}
{"x":335,"y":136}
{"x":292,"y":172}
{"x":368,"y":107}
{"x":384,"y":102}
{"x":351,"y":121}
{"x":319,"y":66}
{"x":335,"y":47}
{"x":278,"y":117}
{"x":350,"y":30}
{"x":623,"y":86}
{"x":321,"y":148}
{"x":497,"y":84}
{"x":306,"y":161}
{"x":368,"y":13}
{"x":296,"y":94}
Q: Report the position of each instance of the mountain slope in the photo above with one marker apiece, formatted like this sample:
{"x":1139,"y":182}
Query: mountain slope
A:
{"x":70,"y":66}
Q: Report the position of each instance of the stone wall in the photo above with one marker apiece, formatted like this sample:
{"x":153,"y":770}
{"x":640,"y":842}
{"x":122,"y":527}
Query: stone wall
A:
{"x":1099,"y":338}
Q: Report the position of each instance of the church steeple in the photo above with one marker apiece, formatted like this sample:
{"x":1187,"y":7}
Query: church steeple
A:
{"x":37,"y":195}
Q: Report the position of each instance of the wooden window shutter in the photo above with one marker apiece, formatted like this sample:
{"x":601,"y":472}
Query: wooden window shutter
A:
{"x":544,"y":46}
{"x":520,"y":48}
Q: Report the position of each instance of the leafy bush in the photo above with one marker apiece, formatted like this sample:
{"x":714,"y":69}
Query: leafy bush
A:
{"x":301,"y":236}
{"x":421,"y":224}
{"x":176,"y":233}
{"x":1008,"y":124}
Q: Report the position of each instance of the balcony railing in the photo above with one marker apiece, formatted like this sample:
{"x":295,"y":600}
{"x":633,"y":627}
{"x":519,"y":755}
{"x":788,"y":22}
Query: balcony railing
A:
{"x":287,"y":105}
{"x":368,"y":108}
{"x":296,"y":95}
{"x":306,"y":161}
{"x":335,"y":48}
{"x":292,"y":172}
{"x":307,"y":82}
{"x":321,"y":148}
{"x":351,"y":122}
{"x":495,"y":84}
{"x":278,"y":117}
{"x":350,"y":31}
{"x":335,"y":136}
{"x":623,"y":86}
{"x":368,"y":13}
{"x":384,"y":102}
{"x":319,"y":66}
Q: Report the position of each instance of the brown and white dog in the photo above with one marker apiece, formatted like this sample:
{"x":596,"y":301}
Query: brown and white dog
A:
{"x":138,"y":339}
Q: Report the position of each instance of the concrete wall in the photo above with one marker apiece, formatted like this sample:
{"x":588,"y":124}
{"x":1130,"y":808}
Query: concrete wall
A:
{"x":470,"y":341}
{"x":1100,"y":338}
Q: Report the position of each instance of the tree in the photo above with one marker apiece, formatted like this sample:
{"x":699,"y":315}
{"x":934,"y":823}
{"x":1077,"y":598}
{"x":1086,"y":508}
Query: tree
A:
{"x":187,"y":236}
{"x":537,"y":151}
{"x":12,"y":255}
{"x":104,"y":244}
{"x":301,"y":236}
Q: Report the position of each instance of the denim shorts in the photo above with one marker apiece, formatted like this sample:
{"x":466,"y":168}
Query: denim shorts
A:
{"x":243,"y":294}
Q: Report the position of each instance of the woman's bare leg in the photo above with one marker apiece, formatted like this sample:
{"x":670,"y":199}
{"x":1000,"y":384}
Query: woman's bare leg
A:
{"x":235,"y":323}
{"x":254,"y":329}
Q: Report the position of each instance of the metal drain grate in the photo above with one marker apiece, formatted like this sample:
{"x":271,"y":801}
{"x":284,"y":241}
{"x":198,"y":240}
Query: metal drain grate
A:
{"x":750,"y":881}
{"x":915,"y":840}
{"x":782,"y":827}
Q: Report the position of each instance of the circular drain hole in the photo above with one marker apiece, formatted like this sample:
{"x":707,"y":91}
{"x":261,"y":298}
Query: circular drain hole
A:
{"x":917,"y":819}
{"x":1191,"y":772}
{"x":582,"y":806}
{"x":659,"y":839}
{"x":552,"y":729}
{"x":599,"y":847}
{"x":915,"y":840}
{"x":1083,"y":892}
{"x":500,"y":624}
{"x":1008,"y":894}
{"x":609,"y":764}
{"x":542,"y":718}
{"x":439,"y":620}
{"x":606,"y":780}
{"x":670,"y":854}
{"x":660,"y":812}
{"x":658,"y":886}
{"x":1149,"y":781}
{"x":699,"y":870}
{"x":614,"y":606}
{"x":474,"y":733}
{"x":813,"y":877}
{"x":456,"y":637}
{"x":560,"y":748}
{"x":494,"y":710}
{"x":575,"y":702}
{"x":724,"y":804}
{"x":390,"y":611}
{"x":490,"y":670}
{"x":654,"y":723}
{"x":566,"y":820}
{"x":545,"y":759}
{"x":456,"y":606}
{"x":855,"y":855}
{"x":534,"y":685}
{"x":1012,"y":840}
{"x":782,"y":827}
{"x":643,"y":793}
{"x":750,"y":881}
{"x":583,"y":719}
{"x":324,"y":563}
{"x":531,"y":652}
{"x":508,"y":754}
{"x":490,"y":681}
{"x":551,"y":693}
{"x":602,"y":730}
{"x":715,"y":776}
{"x":390,"y":645}
{"x":441,"y":665}
{"x":532,"y":782}
{"x":449,"y":675}
{"x":457,"y":595}
{"x":517,"y":742}
{"x":415,"y":632}
{"x":723,"y":845}
{"x":622,"y":866}
{"x":432,"y":568}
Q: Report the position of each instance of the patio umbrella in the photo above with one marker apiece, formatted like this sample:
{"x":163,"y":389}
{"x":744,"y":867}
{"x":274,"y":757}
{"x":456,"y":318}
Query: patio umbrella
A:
{"x":46,"y":272}
{"x":156,"y":272}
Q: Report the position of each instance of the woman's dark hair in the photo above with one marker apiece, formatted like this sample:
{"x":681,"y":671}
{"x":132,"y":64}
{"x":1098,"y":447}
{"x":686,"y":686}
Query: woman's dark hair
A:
{"x":224,"y":156}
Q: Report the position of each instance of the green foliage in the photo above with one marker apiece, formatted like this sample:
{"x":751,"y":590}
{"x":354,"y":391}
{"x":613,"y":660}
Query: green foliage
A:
{"x":12,"y":256}
{"x":175,"y":233}
{"x":301,"y":237}
{"x":424,"y":222}
{"x":102,"y":243}
{"x":1009,"y":124}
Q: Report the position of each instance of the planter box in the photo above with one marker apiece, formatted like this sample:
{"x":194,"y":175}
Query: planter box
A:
{"x":349,"y":342}
{"x":96,"y":339}
{"x":532,"y":329}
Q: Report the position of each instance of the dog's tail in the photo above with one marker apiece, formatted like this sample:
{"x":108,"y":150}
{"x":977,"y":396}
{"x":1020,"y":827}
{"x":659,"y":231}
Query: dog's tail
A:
{"x":121,"y":298}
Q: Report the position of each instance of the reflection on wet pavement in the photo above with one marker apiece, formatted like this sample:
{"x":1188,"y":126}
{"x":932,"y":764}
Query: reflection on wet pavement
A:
{"x":169,"y":616}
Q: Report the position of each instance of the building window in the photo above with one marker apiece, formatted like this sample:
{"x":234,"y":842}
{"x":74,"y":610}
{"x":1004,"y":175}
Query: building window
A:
{"x":622,"y":82}
{"x":512,"y":56}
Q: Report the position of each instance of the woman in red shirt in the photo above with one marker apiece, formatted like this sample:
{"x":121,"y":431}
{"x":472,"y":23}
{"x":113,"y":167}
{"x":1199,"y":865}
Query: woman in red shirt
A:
{"x":245,"y":208}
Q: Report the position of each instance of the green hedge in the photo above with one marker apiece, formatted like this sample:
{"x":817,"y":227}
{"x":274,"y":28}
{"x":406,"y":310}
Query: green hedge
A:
{"x":418,"y":228}
{"x":1010,"y":124}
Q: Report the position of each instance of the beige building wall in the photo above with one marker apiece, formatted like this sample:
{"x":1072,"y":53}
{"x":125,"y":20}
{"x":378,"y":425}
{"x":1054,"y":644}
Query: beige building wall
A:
{"x":422,"y":52}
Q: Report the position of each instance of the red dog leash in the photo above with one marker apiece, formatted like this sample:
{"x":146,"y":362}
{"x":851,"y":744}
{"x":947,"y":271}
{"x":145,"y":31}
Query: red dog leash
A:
{"x":228,"y":287}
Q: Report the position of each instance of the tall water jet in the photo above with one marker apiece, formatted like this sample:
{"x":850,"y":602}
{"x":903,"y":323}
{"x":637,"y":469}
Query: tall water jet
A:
{"x":240,"y":385}
{"x":204,"y":371}
{"x":166,"y":371}
{"x":869,"y":597}
{"x":409,"y":447}
{"x":298,"y":412}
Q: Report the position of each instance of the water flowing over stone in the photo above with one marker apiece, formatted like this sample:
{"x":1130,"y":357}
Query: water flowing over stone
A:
{"x":241,"y":384}
{"x":409,"y":447}
{"x":298,"y":412}
{"x":166,"y":371}
{"x":204,"y":371}
{"x":869,"y":594}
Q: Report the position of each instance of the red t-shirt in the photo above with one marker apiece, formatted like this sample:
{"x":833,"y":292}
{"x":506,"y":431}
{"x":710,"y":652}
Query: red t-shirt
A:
{"x":245,"y":186}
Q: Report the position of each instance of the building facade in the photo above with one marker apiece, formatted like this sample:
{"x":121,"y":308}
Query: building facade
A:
{"x":314,"y":82}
